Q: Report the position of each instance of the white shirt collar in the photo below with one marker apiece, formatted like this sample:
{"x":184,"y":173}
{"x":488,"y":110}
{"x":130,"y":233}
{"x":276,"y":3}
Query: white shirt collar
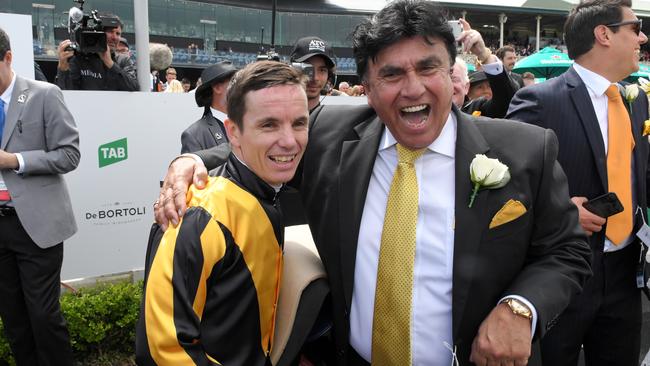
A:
{"x":219,"y":114}
{"x":6,"y":96}
{"x":596,"y":83}
{"x":445,"y":144}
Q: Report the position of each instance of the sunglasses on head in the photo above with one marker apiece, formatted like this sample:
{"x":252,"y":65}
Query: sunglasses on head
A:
{"x":636,"y":25}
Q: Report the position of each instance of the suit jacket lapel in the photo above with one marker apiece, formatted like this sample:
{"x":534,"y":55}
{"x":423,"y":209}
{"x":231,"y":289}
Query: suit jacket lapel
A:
{"x":214,"y":125}
{"x":469,"y":221}
{"x":585,"y":111}
{"x":357,"y":161}
{"x":15,"y":110}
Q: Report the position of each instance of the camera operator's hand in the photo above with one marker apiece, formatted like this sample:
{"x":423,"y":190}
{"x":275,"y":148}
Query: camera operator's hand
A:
{"x":473,"y":43}
{"x":64,"y":55}
{"x":106,"y":57}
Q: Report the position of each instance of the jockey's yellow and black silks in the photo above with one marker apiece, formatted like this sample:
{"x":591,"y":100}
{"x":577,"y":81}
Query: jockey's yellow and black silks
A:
{"x":212,"y":283}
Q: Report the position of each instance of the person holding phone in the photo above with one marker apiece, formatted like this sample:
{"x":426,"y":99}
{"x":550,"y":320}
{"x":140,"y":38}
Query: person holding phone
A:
{"x":602,"y":149}
{"x":501,"y":87}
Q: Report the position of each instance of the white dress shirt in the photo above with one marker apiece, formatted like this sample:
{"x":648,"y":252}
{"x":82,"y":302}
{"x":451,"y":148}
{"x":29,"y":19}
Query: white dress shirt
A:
{"x":494,"y":68}
{"x":434,"y":253}
{"x":6,"y":98}
{"x":218,"y":114}
{"x":597,"y":86}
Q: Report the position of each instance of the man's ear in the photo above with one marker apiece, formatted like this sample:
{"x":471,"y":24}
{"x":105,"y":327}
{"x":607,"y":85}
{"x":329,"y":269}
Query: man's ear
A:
{"x":220,"y":88}
{"x":216,"y":89}
{"x":367,"y":90}
{"x":8,"y":57}
{"x":232,"y":130}
{"x":601,"y":35}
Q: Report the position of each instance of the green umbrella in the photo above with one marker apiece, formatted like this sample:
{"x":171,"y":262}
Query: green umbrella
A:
{"x":547,"y":63}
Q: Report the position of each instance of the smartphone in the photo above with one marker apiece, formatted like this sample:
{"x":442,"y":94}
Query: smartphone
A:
{"x":456,"y":28}
{"x":605,"y":205}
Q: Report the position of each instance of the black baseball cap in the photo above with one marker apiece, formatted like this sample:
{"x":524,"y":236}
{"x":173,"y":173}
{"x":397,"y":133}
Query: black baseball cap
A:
{"x":308,"y":47}
{"x":212,"y":74}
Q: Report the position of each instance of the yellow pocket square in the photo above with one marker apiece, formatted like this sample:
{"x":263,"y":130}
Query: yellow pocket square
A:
{"x":510,"y":211}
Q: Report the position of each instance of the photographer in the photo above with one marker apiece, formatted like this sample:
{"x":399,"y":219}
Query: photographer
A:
{"x":105,"y":70}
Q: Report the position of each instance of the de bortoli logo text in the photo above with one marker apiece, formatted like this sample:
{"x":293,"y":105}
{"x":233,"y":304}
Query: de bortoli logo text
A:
{"x":113,"y":152}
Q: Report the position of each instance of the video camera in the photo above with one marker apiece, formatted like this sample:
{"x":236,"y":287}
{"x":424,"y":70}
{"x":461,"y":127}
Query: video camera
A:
{"x":87,"y":31}
{"x":305,"y":68}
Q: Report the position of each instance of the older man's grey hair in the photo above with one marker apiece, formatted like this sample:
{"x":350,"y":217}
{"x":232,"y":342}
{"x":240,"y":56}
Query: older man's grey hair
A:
{"x":463,"y":68}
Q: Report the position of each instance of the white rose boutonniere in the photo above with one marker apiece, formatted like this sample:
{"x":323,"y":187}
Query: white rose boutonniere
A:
{"x":644,"y":84}
{"x":486,"y":173}
{"x":631,"y":92}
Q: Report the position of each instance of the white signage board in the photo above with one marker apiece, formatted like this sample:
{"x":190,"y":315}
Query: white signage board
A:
{"x":19,"y":30}
{"x":127,"y":141}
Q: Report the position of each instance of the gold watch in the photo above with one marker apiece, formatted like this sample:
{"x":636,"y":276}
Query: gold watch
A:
{"x":518,"y":308}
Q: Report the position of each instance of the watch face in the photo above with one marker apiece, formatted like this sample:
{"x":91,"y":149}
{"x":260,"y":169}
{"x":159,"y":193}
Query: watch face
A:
{"x":519,"y":308}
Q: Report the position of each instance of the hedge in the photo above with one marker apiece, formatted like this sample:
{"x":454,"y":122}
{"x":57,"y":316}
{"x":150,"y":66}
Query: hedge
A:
{"x":101,"y":322}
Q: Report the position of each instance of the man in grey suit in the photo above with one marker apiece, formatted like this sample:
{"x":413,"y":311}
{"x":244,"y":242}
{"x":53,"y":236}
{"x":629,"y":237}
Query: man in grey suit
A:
{"x":209,"y":131}
{"x":39,"y":142}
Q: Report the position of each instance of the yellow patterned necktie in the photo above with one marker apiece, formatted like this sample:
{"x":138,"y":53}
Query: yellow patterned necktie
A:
{"x":391,"y":325}
{"x":619,"y":163}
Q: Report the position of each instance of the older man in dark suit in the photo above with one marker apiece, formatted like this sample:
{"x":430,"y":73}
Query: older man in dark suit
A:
{"x":602,"y":149}
{"x":39,"y":142}
{"x":209,"y":130}
{"x":423,"y":266}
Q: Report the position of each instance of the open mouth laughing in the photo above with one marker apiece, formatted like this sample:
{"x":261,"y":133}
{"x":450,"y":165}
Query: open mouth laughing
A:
{"x":415,"y":115}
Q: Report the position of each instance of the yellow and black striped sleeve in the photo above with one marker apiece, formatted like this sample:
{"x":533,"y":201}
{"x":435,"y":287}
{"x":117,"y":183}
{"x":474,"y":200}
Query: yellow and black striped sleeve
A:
{"x":175,"y":293}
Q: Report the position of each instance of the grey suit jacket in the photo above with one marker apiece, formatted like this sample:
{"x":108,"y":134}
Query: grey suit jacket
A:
{"x":39,"y":126}
{"x":203,"y":134}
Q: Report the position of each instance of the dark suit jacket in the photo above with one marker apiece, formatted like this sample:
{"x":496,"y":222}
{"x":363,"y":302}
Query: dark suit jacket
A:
{"x":203,"y":134}
{"x":518,"y":79}
{"x":542,"y":256}
{"x":563,"y":105}
{"x":503,"y":89}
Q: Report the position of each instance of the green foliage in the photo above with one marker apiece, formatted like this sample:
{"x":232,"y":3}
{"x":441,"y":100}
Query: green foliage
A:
{"x":101,"y":321}
{"x":5,"y":352}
